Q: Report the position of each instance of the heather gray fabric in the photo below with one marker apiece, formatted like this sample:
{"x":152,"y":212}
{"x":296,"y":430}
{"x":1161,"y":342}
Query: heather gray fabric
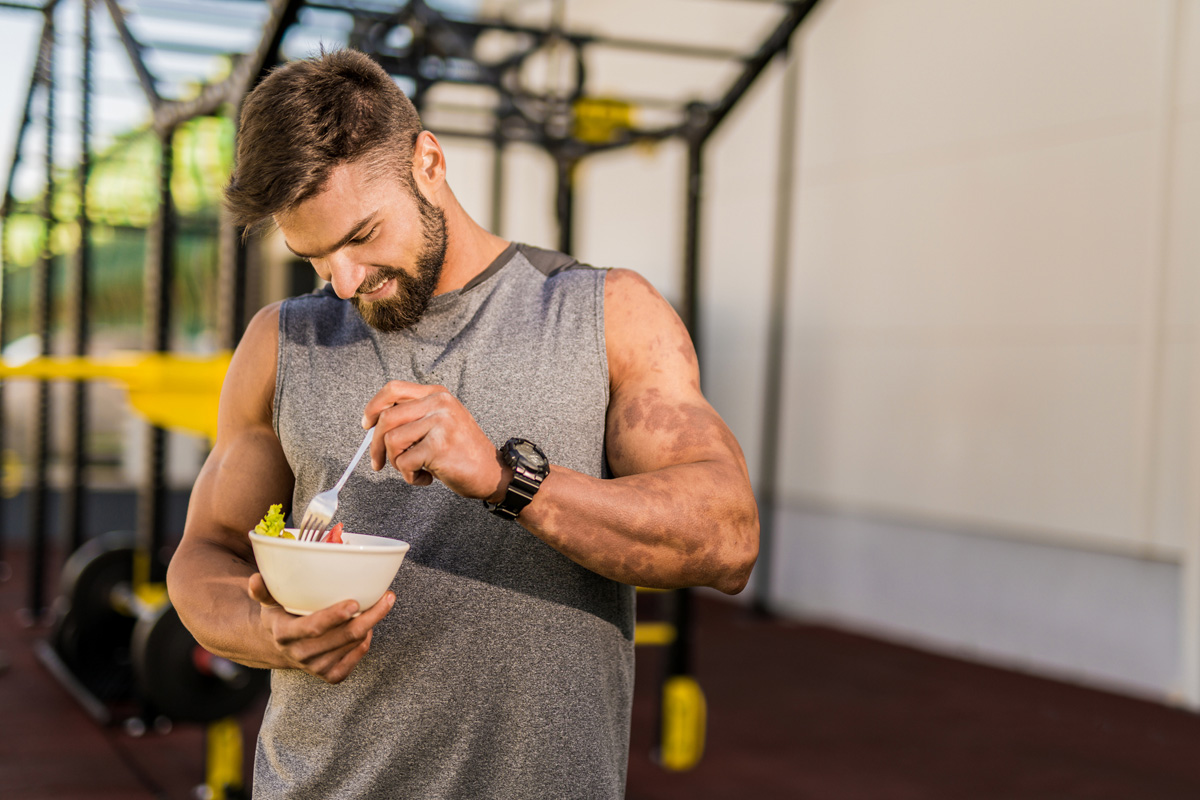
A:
{"x":504,"y":670}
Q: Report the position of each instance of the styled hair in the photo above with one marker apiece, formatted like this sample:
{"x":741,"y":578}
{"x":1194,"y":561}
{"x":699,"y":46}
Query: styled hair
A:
{"x":308,"y":117}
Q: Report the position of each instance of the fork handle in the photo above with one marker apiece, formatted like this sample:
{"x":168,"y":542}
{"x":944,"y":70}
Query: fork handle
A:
{"x":362,"y":448}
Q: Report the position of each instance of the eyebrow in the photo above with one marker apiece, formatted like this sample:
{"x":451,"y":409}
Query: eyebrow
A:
{"x":354,"y":231}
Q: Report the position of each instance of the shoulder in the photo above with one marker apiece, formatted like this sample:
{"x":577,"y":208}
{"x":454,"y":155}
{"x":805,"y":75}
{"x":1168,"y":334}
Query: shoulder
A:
{"x":249,"y":387}
{"x":643,"y":333}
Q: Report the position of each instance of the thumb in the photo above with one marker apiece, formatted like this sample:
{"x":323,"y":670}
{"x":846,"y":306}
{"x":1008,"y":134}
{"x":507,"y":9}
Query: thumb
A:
{"x":257,"y":589}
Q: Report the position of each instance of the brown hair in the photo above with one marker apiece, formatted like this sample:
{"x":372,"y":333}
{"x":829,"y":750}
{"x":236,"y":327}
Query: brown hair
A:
{"x":308,"y":117}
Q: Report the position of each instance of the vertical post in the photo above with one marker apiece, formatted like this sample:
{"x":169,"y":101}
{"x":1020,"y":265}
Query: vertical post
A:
{"x":76,"y":498}
{"x":5,"y":570}
{"x":498,"y":147}
{"x":775,"y":368}
{"x":689,"y":301}
{"x":160,"y":272}
{"x":565,"y":201}
{"x":679,"y":652}
{"x":44,"y":309}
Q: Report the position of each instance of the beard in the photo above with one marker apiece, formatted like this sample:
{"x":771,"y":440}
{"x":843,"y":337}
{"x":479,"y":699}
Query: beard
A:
{"x":408,"y":303}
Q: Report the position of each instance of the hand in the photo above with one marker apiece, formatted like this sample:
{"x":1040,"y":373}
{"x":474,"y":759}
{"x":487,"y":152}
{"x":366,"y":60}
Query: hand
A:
{"x":426,"y":433}
{"x":328,"y":643}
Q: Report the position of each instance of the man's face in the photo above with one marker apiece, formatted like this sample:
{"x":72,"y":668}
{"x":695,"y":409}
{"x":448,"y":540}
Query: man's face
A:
{"x":380,"y":243}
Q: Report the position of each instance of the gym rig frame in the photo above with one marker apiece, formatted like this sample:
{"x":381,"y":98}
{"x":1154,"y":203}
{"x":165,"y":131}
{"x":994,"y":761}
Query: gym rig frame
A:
{"x":115,"y":581}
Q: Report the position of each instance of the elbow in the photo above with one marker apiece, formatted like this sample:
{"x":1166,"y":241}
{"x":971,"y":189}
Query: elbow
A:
{"x":743,"y":556}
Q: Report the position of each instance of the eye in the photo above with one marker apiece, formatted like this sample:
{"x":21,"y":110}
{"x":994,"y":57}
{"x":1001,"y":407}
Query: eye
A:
{"x":364,"y":239}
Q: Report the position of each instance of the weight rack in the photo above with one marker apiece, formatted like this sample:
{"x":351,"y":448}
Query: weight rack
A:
{"x":424,"y":47}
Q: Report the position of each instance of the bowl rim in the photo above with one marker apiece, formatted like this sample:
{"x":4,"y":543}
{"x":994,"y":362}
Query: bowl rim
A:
{"x":390,"y":546}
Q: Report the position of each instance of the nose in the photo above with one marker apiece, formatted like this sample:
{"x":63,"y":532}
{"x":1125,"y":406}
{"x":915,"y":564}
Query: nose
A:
{"x":345,"y":274}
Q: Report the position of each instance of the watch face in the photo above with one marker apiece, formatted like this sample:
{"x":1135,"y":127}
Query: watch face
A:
{"x":530,"y":454}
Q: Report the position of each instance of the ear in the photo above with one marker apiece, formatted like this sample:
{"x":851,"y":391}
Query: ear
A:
{"x":429,"y":163}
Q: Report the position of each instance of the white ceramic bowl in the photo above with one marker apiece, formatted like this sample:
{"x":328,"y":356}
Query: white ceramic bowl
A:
{"x":304,"y":577}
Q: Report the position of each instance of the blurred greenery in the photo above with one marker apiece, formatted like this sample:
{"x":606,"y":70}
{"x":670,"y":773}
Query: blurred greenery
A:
{"x":122,"y":204}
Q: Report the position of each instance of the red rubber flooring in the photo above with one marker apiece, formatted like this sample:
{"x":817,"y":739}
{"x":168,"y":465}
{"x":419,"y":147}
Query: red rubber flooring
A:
{"x":794,"y":711}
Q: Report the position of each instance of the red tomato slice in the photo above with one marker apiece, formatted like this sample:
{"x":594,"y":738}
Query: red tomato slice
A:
{"x":335,"y":534}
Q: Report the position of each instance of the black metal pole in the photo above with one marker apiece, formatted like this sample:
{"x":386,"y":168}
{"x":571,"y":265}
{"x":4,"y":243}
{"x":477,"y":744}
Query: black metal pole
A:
{"x":44,"y":309}
{"x":74,"y":517}
{"x":679,"y":653}
{"x":160,"y":272}
{"x":768,"y":474}
{"x":565,"y":200}
{"x":5,"y":570}
{"x":498,"y":147}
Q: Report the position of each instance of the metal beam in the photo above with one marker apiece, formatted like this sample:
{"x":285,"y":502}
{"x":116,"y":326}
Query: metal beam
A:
{"x":247,"y":71}
{"x":774,"y":44}
{"x":35,"y":78}
{"x":134,"y":50}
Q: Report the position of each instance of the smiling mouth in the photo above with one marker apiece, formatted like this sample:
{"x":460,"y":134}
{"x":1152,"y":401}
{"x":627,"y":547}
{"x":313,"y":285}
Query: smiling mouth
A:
{"x":375,"y":288}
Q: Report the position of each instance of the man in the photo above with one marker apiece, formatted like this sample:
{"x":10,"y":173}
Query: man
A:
{"x":501,"y":664}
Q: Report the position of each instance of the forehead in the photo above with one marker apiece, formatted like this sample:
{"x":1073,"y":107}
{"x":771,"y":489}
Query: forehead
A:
{"x":352,"y":192}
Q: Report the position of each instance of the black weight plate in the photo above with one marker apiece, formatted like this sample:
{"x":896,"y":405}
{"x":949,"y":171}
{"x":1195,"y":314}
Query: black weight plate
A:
{"x":91,"y":572}
{"x":92,"y":637}
{"x":168,"y":678}
{"x":96,"y":651}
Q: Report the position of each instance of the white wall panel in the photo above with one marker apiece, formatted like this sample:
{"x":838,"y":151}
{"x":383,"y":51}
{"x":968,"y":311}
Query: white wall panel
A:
{"x":529,"y":196}
{"x":629,"y":208}
{"x":469,"y":173}
{"x":1055,"y":235}
{"x":891,"y":79}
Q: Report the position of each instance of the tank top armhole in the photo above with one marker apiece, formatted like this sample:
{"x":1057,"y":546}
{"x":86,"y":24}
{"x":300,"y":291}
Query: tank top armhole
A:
{"x":280,"y":365}
{"x":601,"y":342}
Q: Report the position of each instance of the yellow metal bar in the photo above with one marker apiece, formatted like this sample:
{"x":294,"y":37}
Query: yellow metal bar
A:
{"x":223,"y":767}
{"x":653,"y":633}
{"x":684,"y":720}
{"x":180,"y":392}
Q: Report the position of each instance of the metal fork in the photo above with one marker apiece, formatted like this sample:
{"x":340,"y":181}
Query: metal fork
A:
{"x":320,"y":509}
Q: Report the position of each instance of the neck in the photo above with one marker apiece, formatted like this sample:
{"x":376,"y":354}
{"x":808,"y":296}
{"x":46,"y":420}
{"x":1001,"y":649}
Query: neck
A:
{"x":470,"y":248}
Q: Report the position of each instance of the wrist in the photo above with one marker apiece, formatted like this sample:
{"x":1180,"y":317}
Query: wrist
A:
{"x":525,"y":466}
{"x":506,"y":476}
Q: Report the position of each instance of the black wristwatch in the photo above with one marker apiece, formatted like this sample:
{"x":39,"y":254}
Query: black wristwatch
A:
{"x":530,"y":467}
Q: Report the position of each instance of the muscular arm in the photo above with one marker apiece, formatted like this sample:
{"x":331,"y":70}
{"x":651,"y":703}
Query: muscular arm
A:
{"x":680,"y":511}
{"x":212,"y":578}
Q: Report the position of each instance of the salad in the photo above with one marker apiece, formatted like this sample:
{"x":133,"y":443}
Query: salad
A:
{"x":272,"y":525}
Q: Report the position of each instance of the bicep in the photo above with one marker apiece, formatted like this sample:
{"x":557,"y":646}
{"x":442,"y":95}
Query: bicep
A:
{"x":246,"y":471}
{"x":657,"y":415}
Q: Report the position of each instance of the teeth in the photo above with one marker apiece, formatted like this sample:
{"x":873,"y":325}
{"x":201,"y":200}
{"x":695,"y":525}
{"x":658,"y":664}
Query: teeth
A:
{"x":376,"y":287}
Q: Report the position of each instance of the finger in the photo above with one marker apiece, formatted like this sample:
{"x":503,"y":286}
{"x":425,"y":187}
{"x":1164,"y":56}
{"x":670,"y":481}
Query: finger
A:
{"x":394,"y":392}
{"x":400,"y":415}
{"x":411,"y":463}
{"x":343,"y":667}
{"x":399,"y":440}
{"x":317,"y":656}
{"x":315,"y":625}
{"x":339,"y":640}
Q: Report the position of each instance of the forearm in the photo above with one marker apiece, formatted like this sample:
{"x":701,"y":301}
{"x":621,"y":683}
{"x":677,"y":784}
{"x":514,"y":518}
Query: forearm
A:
{"x":686,"y":525}
{"x":207,"y":584}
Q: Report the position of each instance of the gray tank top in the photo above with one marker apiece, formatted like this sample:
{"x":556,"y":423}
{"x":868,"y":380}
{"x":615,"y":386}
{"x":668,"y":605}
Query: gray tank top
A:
{"x":504,"y":670}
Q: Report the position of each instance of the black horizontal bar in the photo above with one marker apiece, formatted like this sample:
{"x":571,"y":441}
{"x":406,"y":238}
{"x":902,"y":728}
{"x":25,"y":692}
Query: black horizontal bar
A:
{"x":668,"y":48}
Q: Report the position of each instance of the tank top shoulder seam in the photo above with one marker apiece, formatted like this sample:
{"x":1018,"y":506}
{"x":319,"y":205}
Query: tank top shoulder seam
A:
{"x":280,"y":364}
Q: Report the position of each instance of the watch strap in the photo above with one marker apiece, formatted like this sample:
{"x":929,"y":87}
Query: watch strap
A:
{"x":523,"y":486}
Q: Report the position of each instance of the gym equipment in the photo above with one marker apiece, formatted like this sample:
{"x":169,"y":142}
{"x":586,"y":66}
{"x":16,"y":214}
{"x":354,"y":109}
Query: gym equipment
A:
{"x":170,"y":390}
{"x":683,"y":716}
{"x":121,"y":642}
{"x":119,"y":647}
{"x":181,"y":679}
